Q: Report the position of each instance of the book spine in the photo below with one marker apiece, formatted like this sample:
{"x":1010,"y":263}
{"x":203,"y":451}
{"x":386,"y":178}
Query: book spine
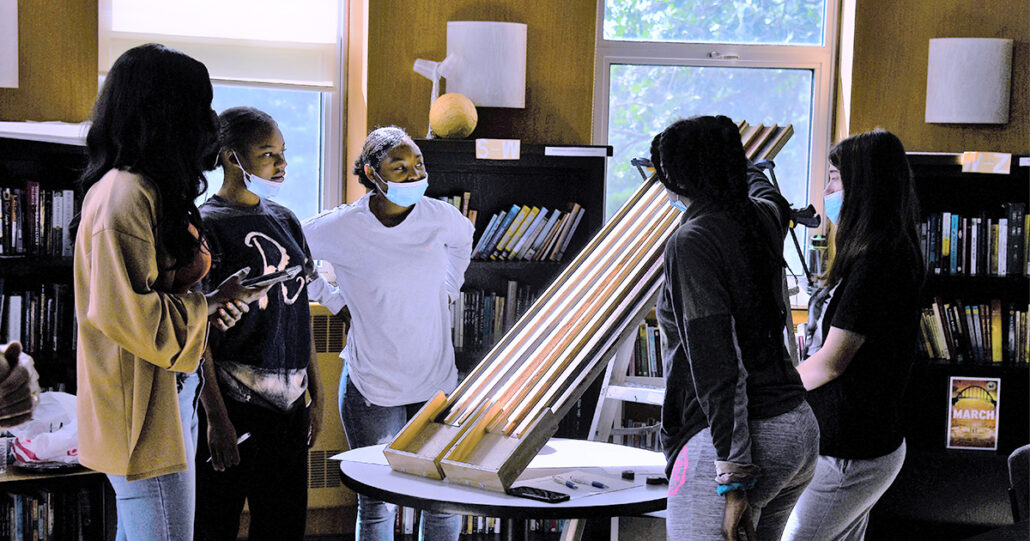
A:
{"x":996,"y":330}
{"x":1003,"y":242}
{"x":955,"y":248}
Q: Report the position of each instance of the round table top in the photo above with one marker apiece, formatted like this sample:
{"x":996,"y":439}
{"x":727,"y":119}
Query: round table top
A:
{"x":366,"y":471}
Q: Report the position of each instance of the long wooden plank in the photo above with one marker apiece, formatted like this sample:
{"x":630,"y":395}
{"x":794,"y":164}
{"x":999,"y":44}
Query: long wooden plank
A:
{"x":519,"y":385}
{"x":554,"y":309}
{"x":486,"y":365}
{"x":611,"y":295}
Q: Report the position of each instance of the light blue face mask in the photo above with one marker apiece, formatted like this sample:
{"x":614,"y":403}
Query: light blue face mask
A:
{"x":674,"y":200}
{"x":403,"y":194}
{"x":262,"y":187}
{"x":832,"y":204}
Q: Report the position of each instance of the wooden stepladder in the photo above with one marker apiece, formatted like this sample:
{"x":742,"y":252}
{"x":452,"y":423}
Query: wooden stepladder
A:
{"x":617,"y":389}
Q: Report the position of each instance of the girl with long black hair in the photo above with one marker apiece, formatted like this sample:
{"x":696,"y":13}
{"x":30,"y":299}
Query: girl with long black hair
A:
{"x":862,"y":336}
{"x":739,"y":438}
{"x":138,"y":248}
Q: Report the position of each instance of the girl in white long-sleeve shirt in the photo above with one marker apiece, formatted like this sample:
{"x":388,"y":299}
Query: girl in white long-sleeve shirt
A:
{"x":399,"y":260}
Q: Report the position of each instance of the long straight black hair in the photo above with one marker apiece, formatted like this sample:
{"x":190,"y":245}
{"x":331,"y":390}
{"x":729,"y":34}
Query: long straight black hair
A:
{"x":880,"y":210}
{"x":153,"y":117}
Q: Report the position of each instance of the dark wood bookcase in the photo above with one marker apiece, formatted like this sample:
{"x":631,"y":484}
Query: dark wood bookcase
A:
{"x":82,"y":500}
{"x":954,"y":492}
{"x":54,"y":166}
{"x":543,"y":175}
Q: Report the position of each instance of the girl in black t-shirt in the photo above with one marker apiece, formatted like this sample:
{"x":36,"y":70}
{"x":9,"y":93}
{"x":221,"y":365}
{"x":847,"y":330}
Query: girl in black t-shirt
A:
{"x":863,"y":328}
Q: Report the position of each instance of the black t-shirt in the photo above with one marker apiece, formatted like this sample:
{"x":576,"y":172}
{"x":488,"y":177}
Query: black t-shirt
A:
{"x":263,"y":358}
{"x":859,"y":411}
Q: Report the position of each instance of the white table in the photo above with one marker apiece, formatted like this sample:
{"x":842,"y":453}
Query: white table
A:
{"x":366,"y":471}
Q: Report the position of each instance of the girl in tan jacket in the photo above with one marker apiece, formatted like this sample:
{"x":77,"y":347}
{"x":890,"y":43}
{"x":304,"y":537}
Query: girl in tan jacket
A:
{"x":138,"y":239}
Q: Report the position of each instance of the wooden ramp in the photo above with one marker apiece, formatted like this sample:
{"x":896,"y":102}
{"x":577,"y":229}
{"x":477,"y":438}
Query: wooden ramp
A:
{"x":488,"y":430}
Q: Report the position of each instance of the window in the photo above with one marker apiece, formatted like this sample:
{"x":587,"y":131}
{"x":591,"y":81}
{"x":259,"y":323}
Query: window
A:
{"x":298,"y":113}
{"x":281,"y":57}
{"x":763,"y":61}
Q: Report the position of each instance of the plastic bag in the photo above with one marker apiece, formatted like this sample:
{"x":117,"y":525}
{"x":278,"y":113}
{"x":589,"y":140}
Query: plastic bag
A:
{"x":53,"y":433}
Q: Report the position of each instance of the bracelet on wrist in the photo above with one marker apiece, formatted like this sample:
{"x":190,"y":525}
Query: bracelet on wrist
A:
{"x":746,"y":484}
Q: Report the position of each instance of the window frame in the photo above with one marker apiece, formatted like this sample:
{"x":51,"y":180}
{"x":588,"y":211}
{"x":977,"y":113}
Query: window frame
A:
{"x":821,"y":59}
{"x":332,"y":91}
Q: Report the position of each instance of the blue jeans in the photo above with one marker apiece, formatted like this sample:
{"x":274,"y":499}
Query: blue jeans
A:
{"x":161,"y":508}
{"x":368,"y":424}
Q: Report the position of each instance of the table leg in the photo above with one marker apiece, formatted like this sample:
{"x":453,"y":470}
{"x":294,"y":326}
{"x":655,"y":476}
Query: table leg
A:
{"x":515,"y":530}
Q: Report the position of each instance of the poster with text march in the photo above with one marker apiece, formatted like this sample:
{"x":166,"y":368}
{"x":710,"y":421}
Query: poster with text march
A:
{"x":973,"y":413}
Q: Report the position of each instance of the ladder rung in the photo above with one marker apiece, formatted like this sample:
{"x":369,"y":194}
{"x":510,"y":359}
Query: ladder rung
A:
{"x":645,"y":394}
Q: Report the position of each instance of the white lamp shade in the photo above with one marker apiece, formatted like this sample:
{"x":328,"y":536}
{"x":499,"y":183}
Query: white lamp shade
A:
{"x":489,"y":62}
{"x":8,"y":44}
{"x":968,"y":80}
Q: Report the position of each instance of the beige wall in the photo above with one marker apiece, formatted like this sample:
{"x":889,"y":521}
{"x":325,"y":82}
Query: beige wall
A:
{"x":57,"y":62}
{"x":559,"y":78}
{"x":889,"y":88}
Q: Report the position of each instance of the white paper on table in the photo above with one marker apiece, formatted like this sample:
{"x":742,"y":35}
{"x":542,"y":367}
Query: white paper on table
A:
{"x":582,"y":489}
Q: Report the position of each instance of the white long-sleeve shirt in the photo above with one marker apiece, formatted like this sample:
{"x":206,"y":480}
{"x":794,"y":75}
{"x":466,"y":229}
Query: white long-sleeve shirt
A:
{"x":397,"y":282}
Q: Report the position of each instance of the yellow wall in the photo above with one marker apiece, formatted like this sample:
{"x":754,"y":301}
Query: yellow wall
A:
{"x":57,"y":62}
{"x":559,"y":77}
{"x":889,"y":89}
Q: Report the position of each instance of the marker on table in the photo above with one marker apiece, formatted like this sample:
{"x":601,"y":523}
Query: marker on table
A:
{"x":595,"y":484}
{"x":561,"y":481}
{"x":239,"y":440}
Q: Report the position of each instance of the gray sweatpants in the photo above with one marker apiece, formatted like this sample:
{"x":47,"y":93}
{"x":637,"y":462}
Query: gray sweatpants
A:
{"x":836,"y":504}
{"x":785,"y":447}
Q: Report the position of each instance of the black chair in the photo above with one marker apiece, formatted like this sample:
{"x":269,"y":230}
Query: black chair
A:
{"x":1019,"y":483}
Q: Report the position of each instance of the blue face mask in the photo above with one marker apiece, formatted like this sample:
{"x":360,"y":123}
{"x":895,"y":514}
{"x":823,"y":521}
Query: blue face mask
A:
{"x":261,"y":187}
{"x":403,"y":194}
{"x":674,"y":200}
{"x":832,"y":204}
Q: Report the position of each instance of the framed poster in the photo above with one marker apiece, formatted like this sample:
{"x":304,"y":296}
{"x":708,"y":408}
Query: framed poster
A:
{"x":973,"y":413}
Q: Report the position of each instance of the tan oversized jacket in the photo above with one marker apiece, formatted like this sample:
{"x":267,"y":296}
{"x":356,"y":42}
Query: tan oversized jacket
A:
{"x":131,"y":339}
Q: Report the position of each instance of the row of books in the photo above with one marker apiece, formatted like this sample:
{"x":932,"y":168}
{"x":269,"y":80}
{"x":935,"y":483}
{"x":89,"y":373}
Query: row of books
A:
{"x":45,"y":515}
{"x":977,"y":245}
{"x":42,"y":319}
{"x":407,"y":521}
{"x":641,"y":434}
{"x":480,"y":318}
{"x":647,"y":353}
{"x":36,"y":221}
{"x":461,"y":202}
{"x":986,"y":333}
{"x":528,"y":233}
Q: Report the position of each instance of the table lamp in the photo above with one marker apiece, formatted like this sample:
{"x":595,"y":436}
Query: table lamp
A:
{"x":968,"y":80}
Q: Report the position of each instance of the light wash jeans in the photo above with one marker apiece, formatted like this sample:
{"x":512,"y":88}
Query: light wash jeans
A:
{"x":368,"y":424}
{"x":836,"y":504}
{"x":161,"y":508}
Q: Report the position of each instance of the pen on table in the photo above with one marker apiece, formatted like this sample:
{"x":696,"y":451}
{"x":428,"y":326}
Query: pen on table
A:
{"x":595,"y":484}
{"x":561,"y":481}
{"x":239,"y":440}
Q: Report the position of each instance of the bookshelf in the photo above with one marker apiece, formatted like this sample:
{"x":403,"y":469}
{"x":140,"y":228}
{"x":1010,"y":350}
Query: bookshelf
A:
{"x":942,"y":187}
{"x":43,"y":159}
{"x":551,"y":176}
{"x":961,"y":490}
{"x":79,"y":503}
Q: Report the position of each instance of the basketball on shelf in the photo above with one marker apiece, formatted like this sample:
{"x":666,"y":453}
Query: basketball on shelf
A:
{"x":452,"y":116}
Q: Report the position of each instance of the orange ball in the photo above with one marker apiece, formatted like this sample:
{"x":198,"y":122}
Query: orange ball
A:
{"x":453,"y":116}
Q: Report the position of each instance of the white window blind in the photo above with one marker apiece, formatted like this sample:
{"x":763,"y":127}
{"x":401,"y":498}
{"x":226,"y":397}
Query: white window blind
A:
{"x":273,"y":42}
